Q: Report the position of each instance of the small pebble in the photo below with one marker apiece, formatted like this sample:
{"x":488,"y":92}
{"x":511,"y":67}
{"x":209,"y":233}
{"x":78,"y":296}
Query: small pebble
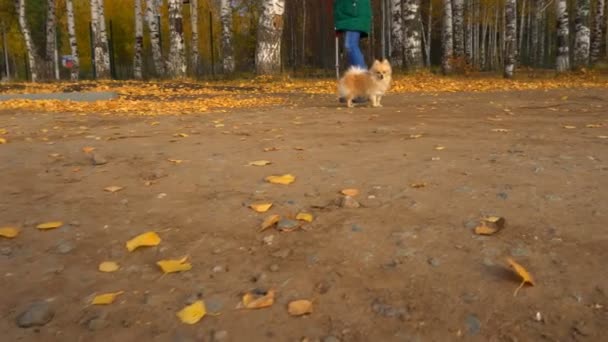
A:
{"x":6,"y":251}
{"x":473,"y":324}
{"x":433,"y":261}
{"x":282,"y":253}
{"x":98,"y":160}
{"x":274,"y":268}
{"x":37,"y":314}
{"x":349,"y":202}
{"x":268,"y":239}
{"x":287,"y":224}
{"x":65,"y":247}
{"x":97,"y":323}
{"x":218,"y":269}
{"x":219,"y":335}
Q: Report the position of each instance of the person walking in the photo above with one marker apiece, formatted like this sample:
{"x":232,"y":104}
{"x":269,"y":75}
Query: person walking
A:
{"x":353,"y":19}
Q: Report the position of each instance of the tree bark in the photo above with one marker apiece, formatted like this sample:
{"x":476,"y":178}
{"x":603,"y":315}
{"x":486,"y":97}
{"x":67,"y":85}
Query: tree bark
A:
{"x":176,"y":64}
{"x":510,"y":52}
{"x":227,"y":48}
{"x":194,"y":54}
{"x":468,"y":34}
{"x":447,"y":44}
{"x":152,"y":13}
{"x":139,"y":41}
{"x":75,"y":70}
{"x":582,"y":37}
{"x":270,"y":29}
{"x":50,"y":55}
{"x":562,"y":59}
{"x":100,"y":39}
{"x":27,"y":37}
{"x":413,"y":39}
{"x":458,"y":27}
{"x":596,"y":38}
{"x":397,"y":53}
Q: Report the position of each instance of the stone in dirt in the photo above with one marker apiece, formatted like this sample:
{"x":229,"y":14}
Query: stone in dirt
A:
{"x":37,"y":314}
{"x":349,"y":202}
{"x":98,"y":159}
{"x":287,"y":224}
{"x":282,"y":253}
{"x":219,"y":335}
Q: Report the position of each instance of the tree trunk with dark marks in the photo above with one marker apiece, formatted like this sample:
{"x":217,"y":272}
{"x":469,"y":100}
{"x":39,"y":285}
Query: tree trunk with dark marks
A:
{"x":447,"y":44}
{"x":270,"y":29}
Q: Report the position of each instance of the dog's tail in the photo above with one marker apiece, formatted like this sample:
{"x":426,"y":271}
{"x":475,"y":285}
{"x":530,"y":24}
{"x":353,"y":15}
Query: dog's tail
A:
{"x":352,"y":71}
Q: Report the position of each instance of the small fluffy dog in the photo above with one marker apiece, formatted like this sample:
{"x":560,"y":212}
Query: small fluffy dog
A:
{"x":372,"y":83}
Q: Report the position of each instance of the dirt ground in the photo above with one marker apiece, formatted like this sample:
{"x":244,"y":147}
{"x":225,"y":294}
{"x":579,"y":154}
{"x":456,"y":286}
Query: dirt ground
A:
{"x":404,"y":266}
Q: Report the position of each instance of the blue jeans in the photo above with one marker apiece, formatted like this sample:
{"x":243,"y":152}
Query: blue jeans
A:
{"x":353,"y":52}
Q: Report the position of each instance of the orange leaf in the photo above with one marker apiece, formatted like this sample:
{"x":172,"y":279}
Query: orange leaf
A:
{"x":522,"y":272}
{"x":350,"y":192}
{"x":253,"y":301}
{"x":269,"y":221}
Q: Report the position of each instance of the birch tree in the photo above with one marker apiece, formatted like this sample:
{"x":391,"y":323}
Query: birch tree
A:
{"x":562,"y":59}
{"x":75,"y":70}
{"x":596,"y":38}
{"x":582,"y":37}
{"x":510,"y":37}
{"x":397,"y":52}
{"x":447,"y":44}
{"x":51,"y":39}
{"x":100,"y":39}
{"x":458,"y":27}
{"x":413,"y":38}
{"x":27,"y":37}
{"x":270,"y":29}
{"x":227,"y":49}
{"x":194,"y":54}
{"x":152,"y":15}
{"x":139,"y":41}
{"x":176,"y":64}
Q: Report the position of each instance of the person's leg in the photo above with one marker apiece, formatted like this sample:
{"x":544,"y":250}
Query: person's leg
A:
{"x":353,"y":52}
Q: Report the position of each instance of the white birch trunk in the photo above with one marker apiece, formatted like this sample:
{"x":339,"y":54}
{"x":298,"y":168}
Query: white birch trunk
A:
{"x":468,"y":34}
{"x":176,"y":63}
{"x":75,"y":70}
{"x":562,"y":59}
{"x":194,"y":54}
{"x":51,"y":39}
{"x":270,"y":29}
{"x":397,"y":53}
{"x":510,"y":39}
{"x":447,"y":44}
{"x":458,"y":27}
{"x":152,"y":13}
{"x":413,"y":37}
{"x":100,"y":40}
{"x":596,"y":38}
{"x":27,"y":37}
{"x":139,"y":41}
{"x":582,"y":38}
{"x":227,"y":48}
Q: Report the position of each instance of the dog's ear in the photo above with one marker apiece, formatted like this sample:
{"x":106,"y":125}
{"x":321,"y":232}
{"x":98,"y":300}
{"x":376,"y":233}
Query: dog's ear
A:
{"x":385,"y":61}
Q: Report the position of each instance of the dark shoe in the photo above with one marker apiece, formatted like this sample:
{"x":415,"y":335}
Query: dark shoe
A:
{"x":355,"y":100}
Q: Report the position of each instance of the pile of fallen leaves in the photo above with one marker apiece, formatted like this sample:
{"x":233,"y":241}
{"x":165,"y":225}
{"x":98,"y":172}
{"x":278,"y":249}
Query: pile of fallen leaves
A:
{"x":191,"y":97}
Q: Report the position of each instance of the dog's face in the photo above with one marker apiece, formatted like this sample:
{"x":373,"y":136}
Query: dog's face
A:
{"x":381,"y":70}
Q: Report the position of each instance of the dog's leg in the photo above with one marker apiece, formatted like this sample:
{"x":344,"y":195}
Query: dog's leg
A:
{"x":349,"y":101}
{"x":374,"y":99}
{"x":378,"y":98}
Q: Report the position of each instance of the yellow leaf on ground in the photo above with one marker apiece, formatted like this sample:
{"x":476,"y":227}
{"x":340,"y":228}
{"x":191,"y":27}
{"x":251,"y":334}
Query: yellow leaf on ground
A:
{"x":270,"y":149}
{"x":569,"y":127}
{"x":113,"y":188}
{"x":283,"y":179}
{"x":3,"y":141}
{"x":88,"y":149}
{"x":106,"y":298}
{"x":50,"y":225}
{"x":594,"y":125}
{"x":3,"y":131}
{"x":483,"y":229}
{"x":9,"y":232}
{"x":176,"y":161}
{"x":439,"y":148}
{"x":174,"y":265}
{"x":418,"y":185}
{"x":522,"y":272}
{"x":182,"y":135}
{"x":145,"y":239}
{"x":260,"y":207}
{"x":350,"y":192}
{"x":299,"y":307}
{"x":415,"y":136}
{"x":259,"y":163}
{"x":603,"y":136}
{"x":154,"y":123}
{"x":192,"y":313}
{"x":108,"y":266}
{"x":255,"y":301}
{"x":500,"y":130}
{"x":270,"y":221}
{"x":304,"y":217}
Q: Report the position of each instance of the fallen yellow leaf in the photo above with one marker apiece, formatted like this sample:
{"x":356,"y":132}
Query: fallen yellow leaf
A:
{"x":192,"y":313}
{"x":154,"y":123}
{"x":299,"y":307}
{"x":269,"y":149}
{"x":564,"y":98}
{"x":106,"y":298}
{"x":522,"y":272}
{"x":269,"y":221}
{"x":483,"y":229}
{"x":418,"y":185}
{"x":108,"y":266}
{"x":284,"y":179}
{"x":259,"y":163}
{"x":88,"y":149}
{"x":594,"y":125}
{"x":174,"y":265}
{"x":9,"y":232}
{"x":500,"y":130}
{"x":113,"y":188}
{"x":603,"y":136}
{"x":439,"y":148}
{"x":415,"y":136}
{"x":260,"y":207}
{"x":569,"y":127}
{"x":3,"y":141}
{"x":50,"y":225}
{"x":255,"y":301}
{"x":304,"y":217}
{"x":145,"y":239}
{"x":350,"y":192}
{"x":176,"y":161}
{"x":182,"y":135}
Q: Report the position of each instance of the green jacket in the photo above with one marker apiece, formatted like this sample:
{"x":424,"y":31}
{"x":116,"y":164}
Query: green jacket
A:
{"x":353,"y":15}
